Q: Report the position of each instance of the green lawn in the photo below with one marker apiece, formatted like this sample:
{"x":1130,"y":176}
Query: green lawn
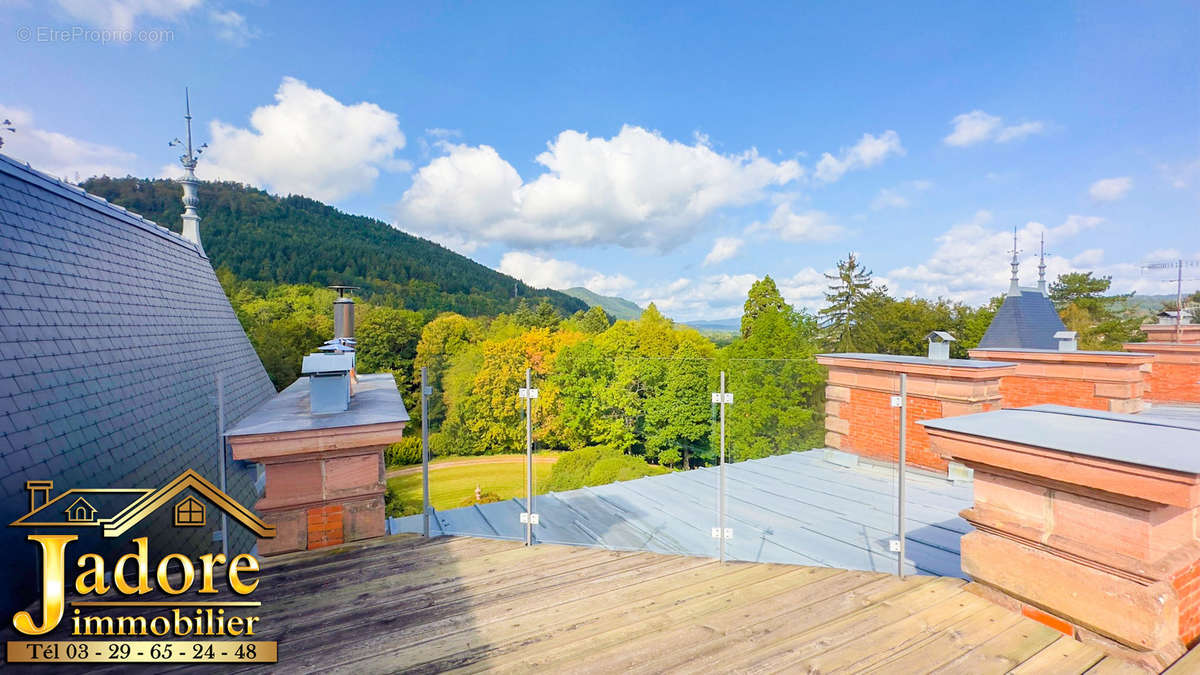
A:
{"x":452,"y":486}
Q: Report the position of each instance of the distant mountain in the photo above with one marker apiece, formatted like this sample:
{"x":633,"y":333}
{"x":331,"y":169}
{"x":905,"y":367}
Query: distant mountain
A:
{"x":618,"y":308}
{"x":297,"y":240}
{"x":1154,"y":303}
{"x":733,"y":325}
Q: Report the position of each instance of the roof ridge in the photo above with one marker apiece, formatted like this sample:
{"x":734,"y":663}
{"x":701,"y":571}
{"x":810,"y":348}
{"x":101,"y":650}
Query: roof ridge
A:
{"x":24,"y":171}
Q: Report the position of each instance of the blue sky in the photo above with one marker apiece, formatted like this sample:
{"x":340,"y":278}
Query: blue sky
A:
{"x":667,"y":153}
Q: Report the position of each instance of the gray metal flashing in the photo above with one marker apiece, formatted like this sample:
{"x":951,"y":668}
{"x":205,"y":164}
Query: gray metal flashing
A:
{"x":1122,"y":438}
{"x":918,"y":360}
{"x":376,"y":401}
{"x":795,"y":508}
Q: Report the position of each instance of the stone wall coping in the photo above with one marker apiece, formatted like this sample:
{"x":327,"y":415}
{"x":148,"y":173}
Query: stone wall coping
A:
{"x":920,"y":365}
{"x":1155,"y":347}
{"x":1067,"y":357}
{"x":1147,"y":459}
{"x":1086,"y":473}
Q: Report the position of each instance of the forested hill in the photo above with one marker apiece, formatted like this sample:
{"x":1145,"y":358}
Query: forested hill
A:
{"x":302,"y":241}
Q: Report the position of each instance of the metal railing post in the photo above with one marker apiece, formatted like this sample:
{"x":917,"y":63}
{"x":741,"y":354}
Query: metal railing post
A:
{"x":721,"y":499}
{"x":528,"y":458}
{"x":902,"y":463}
{"x":425,"y":392}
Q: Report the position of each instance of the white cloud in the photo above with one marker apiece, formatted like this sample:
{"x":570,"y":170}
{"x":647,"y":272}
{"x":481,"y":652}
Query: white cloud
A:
{"x":790,"y":226}
{"x":723,"y":249}
{"x":898,"y":197}
{"x":715,"y":297}
{"x":123,"y":15}
{"x":1180,"y":175}
{"x":1019,"y":131}
{"x":889,"y":199}
{"x":232,"y":27}
{"x":1089,"y":258}
{"x":869,"y":151}
{"x":977,"y":127}
{"x":542,"y":272}
{"x":1110,"y":189}
{"x":58,"y":154}
{"x":307,"y":143}
{"x":723,"y":296}
{"x":636,"y":189}
{"x":971,"y":261}
{"x":804,"y":289}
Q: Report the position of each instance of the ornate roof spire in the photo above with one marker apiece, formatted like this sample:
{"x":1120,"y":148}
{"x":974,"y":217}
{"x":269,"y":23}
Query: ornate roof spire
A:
{"x":1014,"y":286}
{"x":191,"y":219}
{"x":1042,"y":268}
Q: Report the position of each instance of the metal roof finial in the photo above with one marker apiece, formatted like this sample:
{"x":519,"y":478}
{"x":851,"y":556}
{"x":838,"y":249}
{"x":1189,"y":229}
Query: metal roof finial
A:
{"x":1042,"y":267}
{"x":1014,"y":286}
{"x":191,"y":219}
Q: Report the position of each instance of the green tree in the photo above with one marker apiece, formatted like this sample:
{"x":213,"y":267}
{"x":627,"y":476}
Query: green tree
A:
{"x":442,"y":339}
{"x":387,"y":341}
{"x":595,"y":321}
{"x":545,"y":316}
{"x":778,"y":386}
{"x":678,"y":421}
{"x":764,"y":296}
{"x":847,"y":327}
{"x":1101,"y":321}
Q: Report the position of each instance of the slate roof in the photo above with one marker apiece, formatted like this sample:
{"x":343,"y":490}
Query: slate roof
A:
{"x":1027,"y":321}
{"x":796,"y":508}
{"x":114,"y":329}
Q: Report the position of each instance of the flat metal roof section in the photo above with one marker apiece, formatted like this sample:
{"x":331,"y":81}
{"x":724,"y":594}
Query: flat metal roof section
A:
{"x":917,"y":360}
{"x":1180,"y":413}
{"x":1155,"y":441}
{"x":376,"y":401}
{"x":794,"y":509}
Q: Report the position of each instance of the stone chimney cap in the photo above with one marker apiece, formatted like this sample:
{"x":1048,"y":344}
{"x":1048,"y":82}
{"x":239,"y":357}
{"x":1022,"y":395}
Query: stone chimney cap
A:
{"x":1065,"y":335}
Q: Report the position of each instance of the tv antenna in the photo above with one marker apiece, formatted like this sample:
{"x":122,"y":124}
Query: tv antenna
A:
{"x":1178,"y":266}
{"x":6,"y":125}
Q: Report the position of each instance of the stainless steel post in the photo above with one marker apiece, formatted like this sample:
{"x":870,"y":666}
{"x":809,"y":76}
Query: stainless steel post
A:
{"x":221,"y":459}
{"x":425,"y":446}
{"x":902,"y":462}
{"x":528,"y":459}
{"x":721,"y":498}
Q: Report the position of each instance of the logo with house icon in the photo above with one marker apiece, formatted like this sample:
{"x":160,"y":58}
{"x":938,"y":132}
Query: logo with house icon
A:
{"x":116,"y":510}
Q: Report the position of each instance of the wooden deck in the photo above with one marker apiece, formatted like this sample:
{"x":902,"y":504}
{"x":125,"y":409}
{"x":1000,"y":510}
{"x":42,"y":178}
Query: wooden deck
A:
{"x":405,"y":603}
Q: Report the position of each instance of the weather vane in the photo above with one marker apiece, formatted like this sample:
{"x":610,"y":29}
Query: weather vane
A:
{"x":188,"y":159}
{"x":191,"y":199}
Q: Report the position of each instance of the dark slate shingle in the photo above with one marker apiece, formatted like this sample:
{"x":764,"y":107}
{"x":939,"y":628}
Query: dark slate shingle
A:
{"x":1027,"y":321}
{"x":114,"y":331}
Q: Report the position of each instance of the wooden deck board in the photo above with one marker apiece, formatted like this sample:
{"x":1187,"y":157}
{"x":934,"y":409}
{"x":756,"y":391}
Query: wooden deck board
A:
{"x":409,"y":604}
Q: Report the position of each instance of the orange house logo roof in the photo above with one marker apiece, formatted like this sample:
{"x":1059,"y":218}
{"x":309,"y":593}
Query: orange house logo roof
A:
{"x":116,"y":510}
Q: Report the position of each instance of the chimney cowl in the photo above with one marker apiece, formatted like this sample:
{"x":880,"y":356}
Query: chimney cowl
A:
{"x":343,"y":312}
{"x":939,"y":344}
{"x":1066,"y":340}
